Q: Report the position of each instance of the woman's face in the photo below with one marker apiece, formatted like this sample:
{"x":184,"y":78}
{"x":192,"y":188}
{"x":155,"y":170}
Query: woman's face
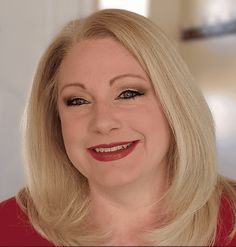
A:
{"x":112,"y":123}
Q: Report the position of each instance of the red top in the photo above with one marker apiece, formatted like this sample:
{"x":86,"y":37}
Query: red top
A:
{"x":15,"y":228}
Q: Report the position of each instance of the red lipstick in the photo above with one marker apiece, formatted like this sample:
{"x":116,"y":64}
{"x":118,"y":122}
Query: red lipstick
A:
{"x":113,"y":155}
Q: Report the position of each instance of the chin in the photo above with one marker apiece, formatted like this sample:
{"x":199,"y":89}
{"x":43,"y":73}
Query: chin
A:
{"x":117,"y":179}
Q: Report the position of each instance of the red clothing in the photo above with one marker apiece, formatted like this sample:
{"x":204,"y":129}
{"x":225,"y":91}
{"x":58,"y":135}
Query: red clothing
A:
{"x":225,"y":225}
{"x":15,"y":228}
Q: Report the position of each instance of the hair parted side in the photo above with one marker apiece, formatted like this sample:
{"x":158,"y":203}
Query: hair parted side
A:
{"x":56,"y":197}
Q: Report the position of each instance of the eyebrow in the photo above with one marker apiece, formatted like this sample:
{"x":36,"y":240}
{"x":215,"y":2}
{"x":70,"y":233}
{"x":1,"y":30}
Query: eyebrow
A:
{"x":111,"y":82}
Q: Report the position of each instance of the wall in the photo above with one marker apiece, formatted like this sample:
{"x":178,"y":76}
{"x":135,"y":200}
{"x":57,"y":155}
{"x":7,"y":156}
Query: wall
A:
{"x":166,"y":14}
{"x":26,"y":27}
{"x":212,"y":62}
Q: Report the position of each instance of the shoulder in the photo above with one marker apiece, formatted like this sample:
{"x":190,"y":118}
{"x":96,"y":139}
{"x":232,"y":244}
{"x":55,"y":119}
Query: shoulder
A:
{"x":226,"y":220}
{"x":15,"y":227}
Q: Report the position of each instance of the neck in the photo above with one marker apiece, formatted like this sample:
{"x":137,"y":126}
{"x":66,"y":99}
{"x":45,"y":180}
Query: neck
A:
{"x":128,"y":209}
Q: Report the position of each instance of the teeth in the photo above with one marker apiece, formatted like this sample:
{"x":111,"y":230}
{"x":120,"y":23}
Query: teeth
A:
{"x":106,"y":150}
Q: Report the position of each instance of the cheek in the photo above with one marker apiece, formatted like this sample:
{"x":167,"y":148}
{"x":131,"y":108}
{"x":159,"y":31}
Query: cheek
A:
{"x":73,"y":136}
{"x":73,"y":132}
{"x":155,"y":129}
{"x":67,"y":128}
{"x":152,"y":119}
{"x":159,"y":129}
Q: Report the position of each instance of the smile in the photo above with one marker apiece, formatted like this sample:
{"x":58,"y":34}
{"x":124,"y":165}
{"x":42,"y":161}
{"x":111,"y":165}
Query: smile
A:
{"x":98,"y":150}
{"x":105,"y":153}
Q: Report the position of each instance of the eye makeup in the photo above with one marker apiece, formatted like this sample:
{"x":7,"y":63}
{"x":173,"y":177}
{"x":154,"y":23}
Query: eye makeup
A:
{"x":124,"y":93}
{"x":130,"y":94}
{"x":74,"y":101}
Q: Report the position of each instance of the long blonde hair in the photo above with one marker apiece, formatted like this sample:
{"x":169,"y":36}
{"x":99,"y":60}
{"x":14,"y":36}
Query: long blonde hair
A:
{"x":56,"y":197}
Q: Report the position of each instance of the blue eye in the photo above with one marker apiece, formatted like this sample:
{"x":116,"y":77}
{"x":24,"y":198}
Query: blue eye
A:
{"x":130,"y":94}
{"x":76,"y":101}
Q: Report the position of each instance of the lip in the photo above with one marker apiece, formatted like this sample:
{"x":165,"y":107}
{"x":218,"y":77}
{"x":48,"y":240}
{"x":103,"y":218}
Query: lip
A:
{"x":110,"y":156}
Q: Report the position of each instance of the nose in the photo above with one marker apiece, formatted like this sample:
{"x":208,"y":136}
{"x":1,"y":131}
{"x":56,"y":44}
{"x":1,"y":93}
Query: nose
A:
{"x":104,"y":119}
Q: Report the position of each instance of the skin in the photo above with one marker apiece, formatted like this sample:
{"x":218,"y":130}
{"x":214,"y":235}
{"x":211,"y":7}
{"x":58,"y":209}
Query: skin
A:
{"x":124,"y":191}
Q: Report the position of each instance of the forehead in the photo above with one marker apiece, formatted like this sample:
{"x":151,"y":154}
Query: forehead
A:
{"x":99,"y":49}
{"x":103,"y":58}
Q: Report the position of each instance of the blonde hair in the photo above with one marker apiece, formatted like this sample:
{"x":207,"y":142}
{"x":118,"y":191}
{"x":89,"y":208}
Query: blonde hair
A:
{"x":56,"y":198}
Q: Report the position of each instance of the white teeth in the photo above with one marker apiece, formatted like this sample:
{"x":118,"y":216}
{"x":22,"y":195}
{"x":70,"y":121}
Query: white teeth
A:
{"x":106,"y":150}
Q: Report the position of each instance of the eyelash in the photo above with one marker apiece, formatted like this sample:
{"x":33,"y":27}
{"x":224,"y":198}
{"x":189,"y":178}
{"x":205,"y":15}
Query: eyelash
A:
{"x":75,"y":101}
{"x":132,"y":95}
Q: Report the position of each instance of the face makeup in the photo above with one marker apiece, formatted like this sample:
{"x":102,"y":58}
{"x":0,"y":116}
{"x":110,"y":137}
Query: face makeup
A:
{"x":113,"y":126}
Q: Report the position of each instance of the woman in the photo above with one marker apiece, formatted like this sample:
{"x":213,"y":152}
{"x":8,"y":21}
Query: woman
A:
{"x":119,"y":144}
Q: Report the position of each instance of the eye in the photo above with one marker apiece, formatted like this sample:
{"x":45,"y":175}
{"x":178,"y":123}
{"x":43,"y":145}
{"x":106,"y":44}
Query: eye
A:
{"x":130,"y":94}
{"x":75,"y":101}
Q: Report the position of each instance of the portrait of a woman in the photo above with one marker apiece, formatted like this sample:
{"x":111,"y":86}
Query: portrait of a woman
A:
{"x":119,"y":145}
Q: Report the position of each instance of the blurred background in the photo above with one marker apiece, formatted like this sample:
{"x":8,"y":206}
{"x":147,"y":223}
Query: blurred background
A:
{"x":204,"y":31}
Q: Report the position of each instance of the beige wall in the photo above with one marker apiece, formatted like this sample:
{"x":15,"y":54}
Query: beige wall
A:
{"x":212,"y":61}
{"x":166,"y":13}
{"x":199,"y":12}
